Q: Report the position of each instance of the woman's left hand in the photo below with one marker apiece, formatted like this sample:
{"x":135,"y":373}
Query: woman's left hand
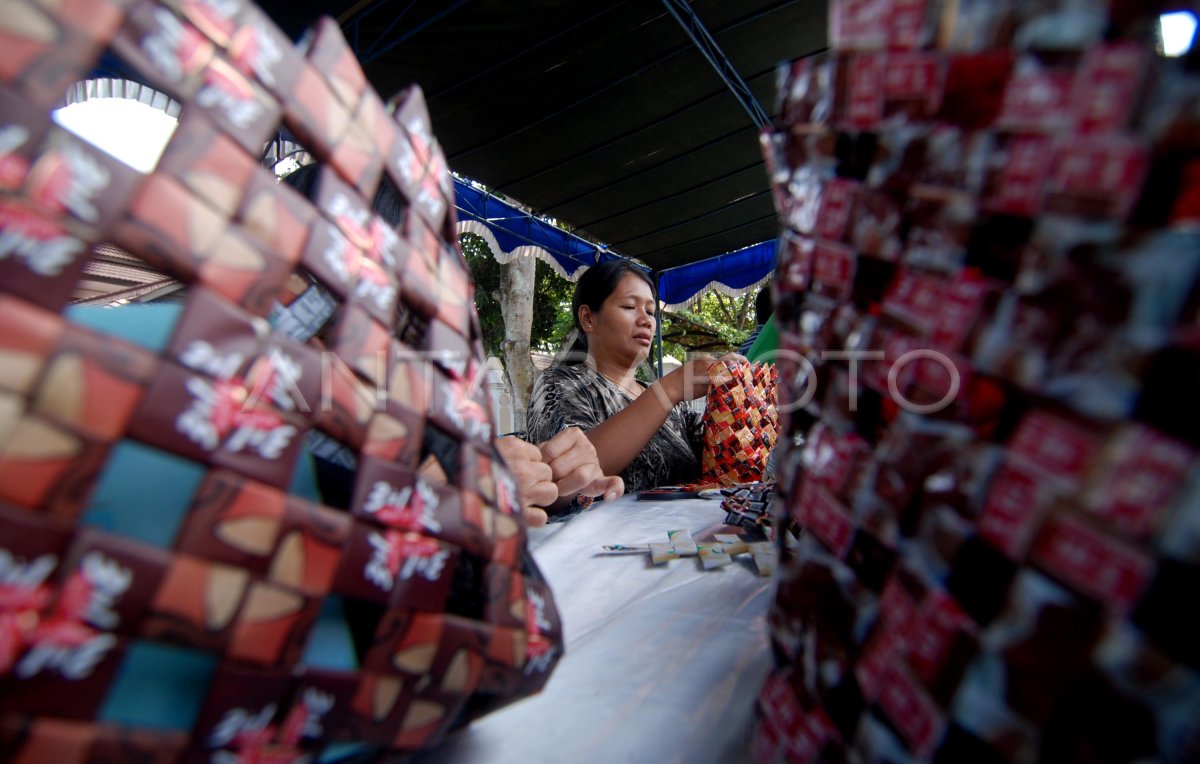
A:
{"x":535,"y":479}
{"x":576,"y":468}
{"x":730,"y":358}
{"x":691,"y":380}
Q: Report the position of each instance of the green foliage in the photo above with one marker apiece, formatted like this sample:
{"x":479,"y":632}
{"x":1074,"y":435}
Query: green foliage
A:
{"x":733,"y":315}
{"x":551,"y":302}
{"x":713,"y":324}
{"x":485,"y":272}
{"x":564,"y":320}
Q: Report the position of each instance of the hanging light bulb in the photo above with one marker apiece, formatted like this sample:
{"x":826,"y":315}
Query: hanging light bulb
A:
{"x":1177,"y":31}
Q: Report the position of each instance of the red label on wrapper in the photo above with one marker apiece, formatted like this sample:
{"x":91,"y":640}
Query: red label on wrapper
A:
{"x":422,"y":166}
{"x":217,"y":415}
{"x":403,"y":556}
{"x":929,"y":642}
{"x":837,"y":200}
{"x":1105,"y":170}
{"x":1054,"y":445}
{"x":1187,"y":201}
{"x":410,"y":508}
{"x":820,"y":729}
{"x":66,"y":648}
{"x":914,"y":76}
{"x":906,"y":24}
{"x":897,"y":607}
{"x":886,"y":648}
{"x":833,"y":269}
{"x":45,"y":248}
{"x":218,"y":22}
{"x":1138,"y":486}
{"x":829,"y":521}
{"x":864,"y":102}
{"x":830,"y":455}
{"x":911,"y":710}
{"x":961,"y":301}
{"x":1037,"y":101}
{"x":13,"y":169}
{"x":942,"y":375}
{"x":916,"y":299}
{"x":1022,"y":179}
{"x":540,"y":650}
{"x":1107,"y":86}
{"x":766,"y":747}
{"x":780,"y":706}
{"x":231,"y":96}
{"x":804,"y":742}
{"x":857,"y":24}
{"x":1012,"y":512}
{"x":798,"y":509}
{"x":1092,"y":562}
{"x":896,"y":345}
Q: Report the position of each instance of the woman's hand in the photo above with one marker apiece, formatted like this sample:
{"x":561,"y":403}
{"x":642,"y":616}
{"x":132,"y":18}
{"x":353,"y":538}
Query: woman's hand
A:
{"x":576,"y":468}
{"x":535,"y":479}
{"x":691,"y":381}
{"x":563,"y":466}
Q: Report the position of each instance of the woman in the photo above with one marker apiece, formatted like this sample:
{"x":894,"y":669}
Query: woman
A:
{"x":641,"y":432}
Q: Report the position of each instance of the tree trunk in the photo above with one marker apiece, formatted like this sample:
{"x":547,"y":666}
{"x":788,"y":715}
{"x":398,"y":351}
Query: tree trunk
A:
{"x":516,"y":306}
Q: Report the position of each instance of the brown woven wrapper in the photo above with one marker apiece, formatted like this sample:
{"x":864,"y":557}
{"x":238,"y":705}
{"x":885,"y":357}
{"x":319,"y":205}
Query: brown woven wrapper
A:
{"x":172,"y":586}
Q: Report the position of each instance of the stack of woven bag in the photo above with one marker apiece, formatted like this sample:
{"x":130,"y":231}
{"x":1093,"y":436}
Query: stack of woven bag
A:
{"x":171,"y":586}
{"x":988,"y":303}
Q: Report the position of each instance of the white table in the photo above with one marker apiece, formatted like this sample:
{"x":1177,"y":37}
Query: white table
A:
{"x":662,"y":663}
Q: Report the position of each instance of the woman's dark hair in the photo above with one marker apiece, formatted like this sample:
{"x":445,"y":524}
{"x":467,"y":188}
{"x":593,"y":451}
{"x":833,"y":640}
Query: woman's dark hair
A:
{"x":762,"y":305}
{"x":592,"y":289}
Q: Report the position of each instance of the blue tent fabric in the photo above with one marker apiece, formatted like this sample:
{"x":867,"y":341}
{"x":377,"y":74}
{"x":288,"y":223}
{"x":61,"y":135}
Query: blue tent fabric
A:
{"x":512,"y":228}
{"x":736,"y":270}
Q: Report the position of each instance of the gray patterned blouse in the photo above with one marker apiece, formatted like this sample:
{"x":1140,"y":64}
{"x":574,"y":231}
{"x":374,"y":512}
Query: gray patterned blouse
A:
{"x":578,"y":396}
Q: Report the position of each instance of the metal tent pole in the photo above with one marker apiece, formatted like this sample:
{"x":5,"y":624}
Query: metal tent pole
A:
{"x":712,"y":53}
{"x":658,"y":324}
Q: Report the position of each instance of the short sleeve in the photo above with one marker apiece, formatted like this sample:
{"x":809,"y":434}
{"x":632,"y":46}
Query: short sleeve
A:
{"x":560,"y":400}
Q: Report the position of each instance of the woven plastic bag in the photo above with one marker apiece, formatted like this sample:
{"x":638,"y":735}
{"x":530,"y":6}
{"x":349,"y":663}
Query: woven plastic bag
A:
{"x":168,"y":590}
{"x":990,"y":527}
{"x":740,"y":422}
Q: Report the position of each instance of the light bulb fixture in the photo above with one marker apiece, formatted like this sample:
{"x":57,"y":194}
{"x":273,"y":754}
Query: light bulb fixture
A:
{"x":1176,"y":31}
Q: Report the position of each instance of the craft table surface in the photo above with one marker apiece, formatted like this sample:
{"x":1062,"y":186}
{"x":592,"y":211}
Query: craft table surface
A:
{"x":662,"y":663}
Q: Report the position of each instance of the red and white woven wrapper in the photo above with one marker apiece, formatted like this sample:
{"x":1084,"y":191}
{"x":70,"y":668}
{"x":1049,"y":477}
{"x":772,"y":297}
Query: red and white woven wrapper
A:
{"x":740,"y":422}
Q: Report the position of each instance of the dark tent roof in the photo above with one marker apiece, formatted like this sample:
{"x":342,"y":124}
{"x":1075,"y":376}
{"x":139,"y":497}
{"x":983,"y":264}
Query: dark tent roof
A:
{"x":604,"y":115}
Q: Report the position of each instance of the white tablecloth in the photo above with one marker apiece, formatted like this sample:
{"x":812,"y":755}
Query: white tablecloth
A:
{"x":662,"y":662}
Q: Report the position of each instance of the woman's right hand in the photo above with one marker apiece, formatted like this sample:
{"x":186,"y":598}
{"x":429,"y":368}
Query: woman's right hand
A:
{"x":691,"y":381}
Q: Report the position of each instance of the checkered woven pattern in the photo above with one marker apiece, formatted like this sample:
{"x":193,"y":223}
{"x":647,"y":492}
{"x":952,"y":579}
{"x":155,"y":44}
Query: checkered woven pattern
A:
{"x":998,"y":479}
{"x":740,"y":423}
{"x":165,"y":594}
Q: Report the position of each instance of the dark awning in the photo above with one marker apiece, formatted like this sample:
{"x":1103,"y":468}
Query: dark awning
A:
{"x":604,"y":116}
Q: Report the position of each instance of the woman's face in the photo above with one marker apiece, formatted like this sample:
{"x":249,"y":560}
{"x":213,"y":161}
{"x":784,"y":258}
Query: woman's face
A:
{"x":623,"y":329}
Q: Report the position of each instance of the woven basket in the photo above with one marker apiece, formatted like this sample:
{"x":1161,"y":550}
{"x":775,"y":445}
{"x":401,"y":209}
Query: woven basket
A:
{"x":740,"y":423}
{"x":168,"y":588}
